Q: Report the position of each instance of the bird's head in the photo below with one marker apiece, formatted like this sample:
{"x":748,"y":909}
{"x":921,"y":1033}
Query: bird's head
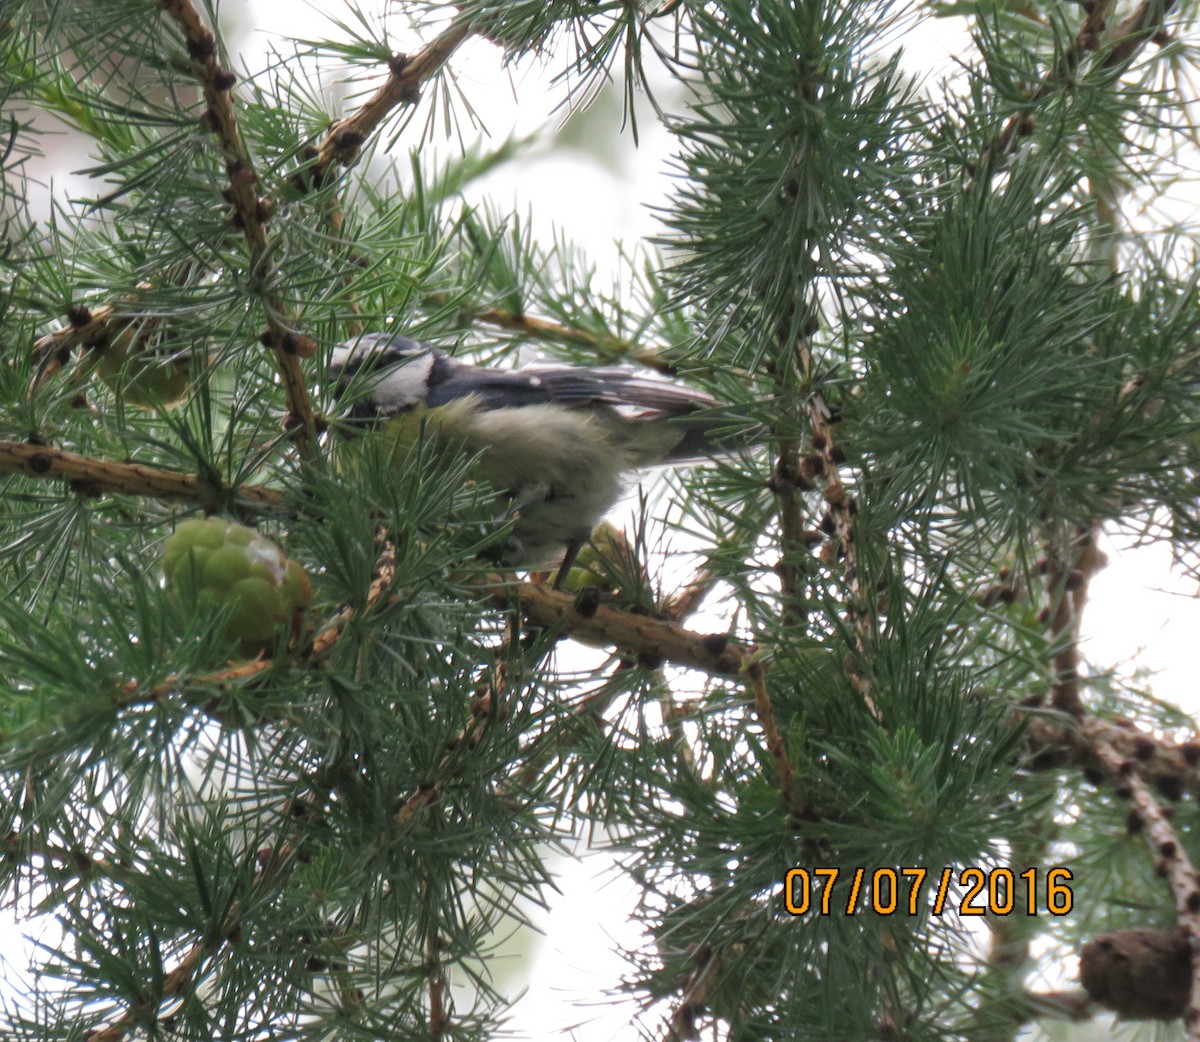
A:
{"x":382,"y":375}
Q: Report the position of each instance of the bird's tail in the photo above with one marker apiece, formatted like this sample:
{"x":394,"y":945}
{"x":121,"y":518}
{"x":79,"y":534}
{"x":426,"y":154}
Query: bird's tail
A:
{"x":706,"y":433}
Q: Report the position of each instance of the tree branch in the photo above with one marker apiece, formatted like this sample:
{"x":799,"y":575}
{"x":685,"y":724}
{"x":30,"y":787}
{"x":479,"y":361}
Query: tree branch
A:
{"x":652,"y":640}
{"x":1068,"y":597}
{"x":1171,"y":768}
{"x":682,"y":1025}
{"x":251,"y":214}
{"x":1139,"y":28}
{"x":1072,"y":1004}
{"x":182,"y":977}
{"x":823,"y":467}
{"x":688,"y":598}
{"x":345,"y":139}
{"x":1172,"y":862}
{"x":87,"y":475}
{"x":785,"y":773}
{"x":84,"y":326}
{"x":1125,"y":41}
{"x":786,"y":484}
{"x":607,"y":347}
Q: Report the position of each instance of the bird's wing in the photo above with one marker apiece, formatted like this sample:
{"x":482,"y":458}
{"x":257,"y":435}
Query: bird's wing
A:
{"x":658,"y":421}
{"x":635,"y":397}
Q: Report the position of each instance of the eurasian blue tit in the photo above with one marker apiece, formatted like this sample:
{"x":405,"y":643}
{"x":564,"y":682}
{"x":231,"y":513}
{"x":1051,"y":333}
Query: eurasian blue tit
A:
{"x":557,"y":442}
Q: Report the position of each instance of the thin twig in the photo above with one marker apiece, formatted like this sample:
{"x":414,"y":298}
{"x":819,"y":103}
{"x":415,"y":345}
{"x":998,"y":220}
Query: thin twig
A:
{"x":1125,"y":41}
{"x":1021,"y":124}
{"x":1008,"y":951}
{"x":345,"y":139}
{"x":793,"y":548}
{"x":1139,"y":28}
{"x":62,"y":864}
{"x":439,"y":1015}
{"x":175,"y":983}
{"x":383,"y":575}
{"x":785,"y":773}
{"x":1069,"y":590}
{"x":1072,"y":1004}
{"x":251,"y":214}
{"x":336,"y":216}
{"x":182,"y":976}
{"x":484,"y":707}
{"x":682,"y":1025}
{"x":685,"y":601}
{"x":608,"y":348}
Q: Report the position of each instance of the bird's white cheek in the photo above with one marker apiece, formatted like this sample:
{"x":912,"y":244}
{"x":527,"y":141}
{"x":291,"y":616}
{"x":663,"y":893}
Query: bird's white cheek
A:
{"x":402,"y":386}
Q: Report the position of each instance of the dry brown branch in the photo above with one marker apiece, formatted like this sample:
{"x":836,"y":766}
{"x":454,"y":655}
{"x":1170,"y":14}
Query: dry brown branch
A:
{"x":329,"y":634}
{"x":53,"y":351}
{"x":1139,"y":28}
{"x":221,"y":680}
{"x":439,"y":1014}
{"x":1087,"y":39}
{"x":1171,"y":768}
{"x":90,"y":476}
{"x":251,"y":213}
{"x":175,"y":983}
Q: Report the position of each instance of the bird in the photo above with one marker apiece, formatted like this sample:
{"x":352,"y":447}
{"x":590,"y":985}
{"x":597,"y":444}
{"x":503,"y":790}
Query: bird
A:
{"x":557,"y":442}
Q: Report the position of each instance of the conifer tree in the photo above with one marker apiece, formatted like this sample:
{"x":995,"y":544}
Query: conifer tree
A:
{"x":282,"y":751}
